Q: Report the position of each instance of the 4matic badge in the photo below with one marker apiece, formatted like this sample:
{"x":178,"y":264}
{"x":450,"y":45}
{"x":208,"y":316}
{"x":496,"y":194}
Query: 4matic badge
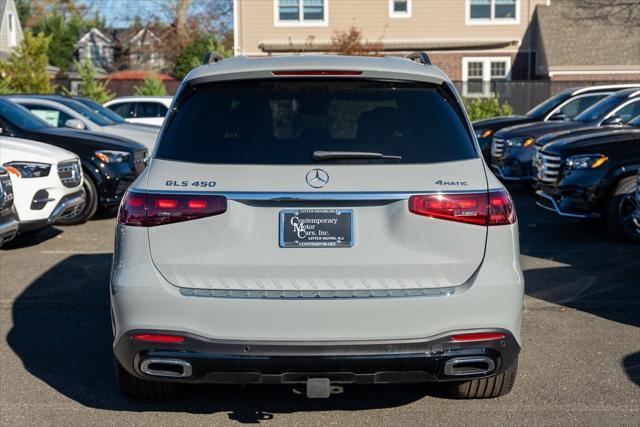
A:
{"x":453,"y":183}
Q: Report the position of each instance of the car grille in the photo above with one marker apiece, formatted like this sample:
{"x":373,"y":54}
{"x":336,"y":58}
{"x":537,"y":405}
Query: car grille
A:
{"x":497,"y":148}
{"x":546,"y":167}
{"x":6,"y":190}
{"x":70,"y":173}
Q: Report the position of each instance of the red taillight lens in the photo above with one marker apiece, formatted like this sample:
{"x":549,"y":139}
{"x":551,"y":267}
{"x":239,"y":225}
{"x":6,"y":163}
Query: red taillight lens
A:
{"x":480,"y":336}
{"x":151,"y":209}
{"x":317,"y":73}
{"x":157,"y":338}
{"x":493,"y":208}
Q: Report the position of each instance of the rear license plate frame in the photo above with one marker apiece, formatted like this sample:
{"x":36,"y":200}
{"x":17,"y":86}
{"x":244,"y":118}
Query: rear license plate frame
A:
{"x":344,"y":238}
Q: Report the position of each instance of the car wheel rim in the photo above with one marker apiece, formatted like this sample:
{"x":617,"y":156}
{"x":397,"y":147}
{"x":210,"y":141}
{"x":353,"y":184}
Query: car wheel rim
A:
{"x":629,"y":213}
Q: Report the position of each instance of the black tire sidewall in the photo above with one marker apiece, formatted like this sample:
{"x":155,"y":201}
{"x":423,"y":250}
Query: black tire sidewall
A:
{"x":622,"y":189}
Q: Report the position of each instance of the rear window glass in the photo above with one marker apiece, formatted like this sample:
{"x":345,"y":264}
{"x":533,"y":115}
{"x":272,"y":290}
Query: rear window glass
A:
{"x":285,"y":122}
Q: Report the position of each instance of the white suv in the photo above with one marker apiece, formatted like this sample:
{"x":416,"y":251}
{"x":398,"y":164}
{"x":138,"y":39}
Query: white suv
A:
{"x":148,"y":110}
{"x":46,"y":180}
{"x":317,"y":220}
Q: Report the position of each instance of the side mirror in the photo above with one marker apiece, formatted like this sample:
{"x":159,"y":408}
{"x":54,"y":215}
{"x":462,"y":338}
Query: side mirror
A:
{"x":558,"y":117}
{"x":74,"y":124}
{"x":613,"y":120}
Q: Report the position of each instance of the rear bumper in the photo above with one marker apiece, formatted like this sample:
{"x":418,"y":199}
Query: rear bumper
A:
{"x":200,"y":360}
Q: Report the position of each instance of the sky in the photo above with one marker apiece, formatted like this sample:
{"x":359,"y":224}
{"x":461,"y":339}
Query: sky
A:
{"x":120,"y":13}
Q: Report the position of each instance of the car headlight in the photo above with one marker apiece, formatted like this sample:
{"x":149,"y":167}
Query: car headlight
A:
{"x":521,"y":141}
{"x":483,"y":133}
{"x":586,"y":161}
{"x":111,"y":156}
{"x":28,"y":169}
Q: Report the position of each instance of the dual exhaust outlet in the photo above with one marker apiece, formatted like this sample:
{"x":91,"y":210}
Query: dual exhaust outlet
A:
{"x":458,"y":366}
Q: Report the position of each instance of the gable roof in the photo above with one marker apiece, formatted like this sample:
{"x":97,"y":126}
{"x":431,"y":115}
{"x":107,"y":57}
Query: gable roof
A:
{"x":573,"y":38}
{"x":94,"y":35}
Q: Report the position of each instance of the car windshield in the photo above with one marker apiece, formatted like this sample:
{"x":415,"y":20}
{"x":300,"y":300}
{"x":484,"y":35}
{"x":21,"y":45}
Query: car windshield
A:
{"x":87,"y":113}
{"x":302,"y":122}
{"x":99,"y":109}
{"x":599,"y":110}
{"x":20,"y":116}
{"x":544,"y":107}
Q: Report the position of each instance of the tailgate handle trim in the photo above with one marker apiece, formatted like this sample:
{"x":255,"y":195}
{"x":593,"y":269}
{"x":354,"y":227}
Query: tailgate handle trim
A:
{"x":313,"y":196}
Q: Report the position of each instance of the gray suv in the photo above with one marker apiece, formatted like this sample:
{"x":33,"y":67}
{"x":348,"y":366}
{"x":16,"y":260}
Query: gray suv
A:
{"x":317,"y":220}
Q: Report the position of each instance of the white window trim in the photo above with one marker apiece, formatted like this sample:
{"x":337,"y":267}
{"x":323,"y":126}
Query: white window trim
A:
{"x":13,"y":32}
{"x":486,"y":74}
{"x":486,"y":68}
{"x":491,"y":21}
{"x":393,"y":14}
{"x":300,"y":23}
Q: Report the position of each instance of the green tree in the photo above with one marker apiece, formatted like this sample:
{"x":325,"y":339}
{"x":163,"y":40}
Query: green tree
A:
{"x":191,"y":56}
{"x":92,"y":87}
{"x":26,"y":69}
{"x":24,"y":11}
{"x":64,"y":30}
{"x":151,"y":87}
{"x":483,"y":108}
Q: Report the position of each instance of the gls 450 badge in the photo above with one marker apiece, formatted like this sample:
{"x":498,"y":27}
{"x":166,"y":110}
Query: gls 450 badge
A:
{"x":175,"y":183}
{"x":454,"y":183}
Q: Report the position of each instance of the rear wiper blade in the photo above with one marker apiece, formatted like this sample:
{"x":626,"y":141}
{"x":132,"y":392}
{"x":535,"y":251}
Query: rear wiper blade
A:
{"x":339,"y":155}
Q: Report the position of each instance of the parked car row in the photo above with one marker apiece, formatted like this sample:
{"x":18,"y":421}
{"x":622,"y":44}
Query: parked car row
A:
{"x":580,"y":167}
{"x":62,"y":159}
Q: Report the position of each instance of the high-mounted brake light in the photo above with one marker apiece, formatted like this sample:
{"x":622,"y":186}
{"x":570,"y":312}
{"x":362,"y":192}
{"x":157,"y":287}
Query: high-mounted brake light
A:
{"x":478,"y":336}
{"x":158,"y":338}
{"x":151,"y":209}
{"x":493,"y":208}
{"x":317,"y":73}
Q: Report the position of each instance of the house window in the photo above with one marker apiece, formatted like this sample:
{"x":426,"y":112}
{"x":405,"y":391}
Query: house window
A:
{"x":13,"y":39}
{"x":300,"y":12}
{"x":492,"y":12}
{"x":478,"y":73}
{"x":400,"y":8}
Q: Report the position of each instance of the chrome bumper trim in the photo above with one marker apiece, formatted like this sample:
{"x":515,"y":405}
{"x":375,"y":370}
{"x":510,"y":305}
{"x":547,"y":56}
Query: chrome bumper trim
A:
{"x":555,"y":207}
{"x":67,"y":203}
{"x":8,"y":230}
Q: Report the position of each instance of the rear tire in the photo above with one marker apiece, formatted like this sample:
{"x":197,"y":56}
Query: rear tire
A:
{"x":137,"y":389}
{"x":485,"y":388}
{"x":90,"y":206}
{"x":619,"y":211}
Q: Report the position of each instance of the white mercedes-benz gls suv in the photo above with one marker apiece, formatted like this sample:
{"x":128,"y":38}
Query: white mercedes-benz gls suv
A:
{"x":317,"y":220}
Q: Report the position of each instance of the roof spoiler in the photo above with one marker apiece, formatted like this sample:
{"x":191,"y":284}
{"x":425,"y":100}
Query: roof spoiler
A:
{"x":420,"y":58}
{"x":212,"y":57}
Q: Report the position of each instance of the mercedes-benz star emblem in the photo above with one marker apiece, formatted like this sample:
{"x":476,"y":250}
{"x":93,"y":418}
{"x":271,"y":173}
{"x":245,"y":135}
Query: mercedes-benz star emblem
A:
{"x":317,"y":178}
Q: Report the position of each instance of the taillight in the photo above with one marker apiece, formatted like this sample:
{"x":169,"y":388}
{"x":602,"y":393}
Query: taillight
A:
{"x":151,"y":209}
{"x":492,"y":208}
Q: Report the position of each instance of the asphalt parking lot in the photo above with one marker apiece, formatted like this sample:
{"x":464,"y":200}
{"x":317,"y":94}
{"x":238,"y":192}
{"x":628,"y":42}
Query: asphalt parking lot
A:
{"x":580,"y":363}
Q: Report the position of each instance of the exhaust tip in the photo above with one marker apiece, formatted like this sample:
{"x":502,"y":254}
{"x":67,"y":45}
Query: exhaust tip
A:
{"x":470,"y":365}
{"x":166,"y":368}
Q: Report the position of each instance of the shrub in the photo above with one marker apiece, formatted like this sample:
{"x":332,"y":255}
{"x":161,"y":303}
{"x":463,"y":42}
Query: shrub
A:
{"x":26,"y":69}
{"x":151,"y":87}
{"x":484,"y":108}
{"x":92,"y":87}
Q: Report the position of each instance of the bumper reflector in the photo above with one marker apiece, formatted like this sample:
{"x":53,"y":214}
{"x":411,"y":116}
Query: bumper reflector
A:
{"x":157,"y":338}
{"x":481,"y":336}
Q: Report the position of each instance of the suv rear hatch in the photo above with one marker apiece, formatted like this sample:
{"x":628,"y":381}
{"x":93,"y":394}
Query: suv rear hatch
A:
{"x":311,"y":207}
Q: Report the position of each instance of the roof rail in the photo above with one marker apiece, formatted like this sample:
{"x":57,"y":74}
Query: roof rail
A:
{"x":212,"y":57}
{"x":420,"y":58}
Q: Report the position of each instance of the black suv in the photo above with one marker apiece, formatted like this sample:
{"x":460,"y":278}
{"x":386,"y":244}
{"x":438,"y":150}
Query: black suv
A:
{"x":512,"y":149}
{"x":593,"y":174}
{"x":109,"y":164}
{"x":565,"y":105}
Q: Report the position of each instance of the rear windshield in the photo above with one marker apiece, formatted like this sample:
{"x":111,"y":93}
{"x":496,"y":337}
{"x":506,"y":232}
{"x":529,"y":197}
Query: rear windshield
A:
{"x":285,"y":122}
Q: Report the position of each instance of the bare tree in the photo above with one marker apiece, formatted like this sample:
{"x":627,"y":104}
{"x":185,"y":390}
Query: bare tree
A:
{"x":352,"y":42}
